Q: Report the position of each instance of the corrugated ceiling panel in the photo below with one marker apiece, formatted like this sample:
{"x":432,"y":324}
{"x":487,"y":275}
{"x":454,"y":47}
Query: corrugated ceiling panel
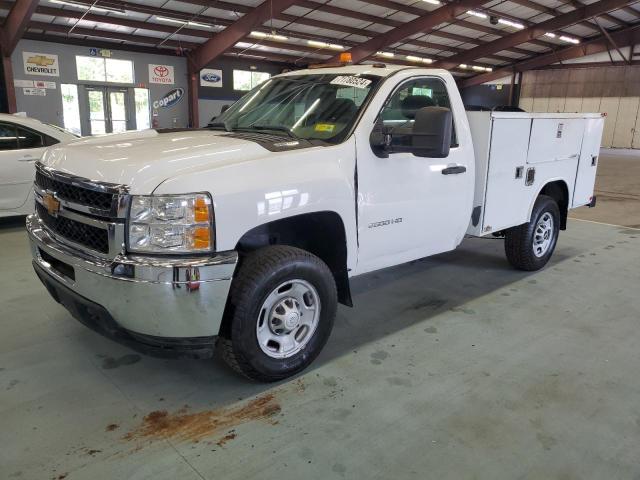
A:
{"x":37,"y":17}
{"x":183,"y":7}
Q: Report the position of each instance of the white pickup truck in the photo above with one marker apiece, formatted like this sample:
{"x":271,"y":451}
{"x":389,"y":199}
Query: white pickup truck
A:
{"x":244,"y":235}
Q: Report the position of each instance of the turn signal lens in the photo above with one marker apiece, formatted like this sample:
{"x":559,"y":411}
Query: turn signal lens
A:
{"x":201,"y":238}
{"x":201,"y":210}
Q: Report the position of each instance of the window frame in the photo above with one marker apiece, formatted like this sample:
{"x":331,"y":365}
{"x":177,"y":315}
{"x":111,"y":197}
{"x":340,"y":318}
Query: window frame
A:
{"x":33,"y":132}
{"x":45,"y":140}
{"x":105,"y":79}
{"x":454,"y":135}
{"x":252,"y":86}
{"x":15,"y":129}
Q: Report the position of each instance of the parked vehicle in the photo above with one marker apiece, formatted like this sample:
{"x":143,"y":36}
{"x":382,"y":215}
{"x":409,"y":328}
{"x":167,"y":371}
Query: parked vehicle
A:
{"x":23,"y":140}
{"x":246,"y":234}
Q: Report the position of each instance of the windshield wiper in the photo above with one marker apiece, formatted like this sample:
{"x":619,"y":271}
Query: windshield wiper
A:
{"x":278,"y":128}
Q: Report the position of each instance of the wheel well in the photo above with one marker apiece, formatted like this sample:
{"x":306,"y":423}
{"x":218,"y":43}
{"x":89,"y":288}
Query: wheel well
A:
{"x":560,"y":193}
{"x":320,"y":233}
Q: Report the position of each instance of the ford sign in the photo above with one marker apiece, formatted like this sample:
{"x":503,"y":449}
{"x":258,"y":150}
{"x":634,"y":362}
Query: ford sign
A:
{"x":170,"y":99}
{"x":211,"y":77}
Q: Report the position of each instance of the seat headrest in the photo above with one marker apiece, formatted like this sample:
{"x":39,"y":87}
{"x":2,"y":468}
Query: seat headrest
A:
{"x":411,"y":104}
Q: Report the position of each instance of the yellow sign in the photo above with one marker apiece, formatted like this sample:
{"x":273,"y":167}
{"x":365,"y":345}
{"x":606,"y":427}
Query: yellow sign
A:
{"x":41,"y":60}
{"x":325,"y":127}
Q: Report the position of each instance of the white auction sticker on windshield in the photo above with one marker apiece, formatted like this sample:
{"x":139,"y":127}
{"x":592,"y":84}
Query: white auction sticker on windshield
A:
{"x":351,"y":81}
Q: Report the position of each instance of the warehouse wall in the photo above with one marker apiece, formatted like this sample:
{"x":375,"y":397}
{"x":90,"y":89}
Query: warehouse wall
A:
{"x":612,"y":90}
{"x":48,"y":108}
{"x":212,"y":99}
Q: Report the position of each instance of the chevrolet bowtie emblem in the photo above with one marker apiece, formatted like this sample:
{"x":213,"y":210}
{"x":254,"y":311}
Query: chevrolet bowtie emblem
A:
{"x":41,"y":60}
{"x":51,"y":203}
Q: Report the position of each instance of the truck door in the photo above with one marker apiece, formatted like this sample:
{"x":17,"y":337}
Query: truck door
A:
{"x":411,"y":207}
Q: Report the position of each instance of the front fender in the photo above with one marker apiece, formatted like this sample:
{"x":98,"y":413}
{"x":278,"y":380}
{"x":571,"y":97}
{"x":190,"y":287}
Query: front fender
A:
{"x":277,"y":186}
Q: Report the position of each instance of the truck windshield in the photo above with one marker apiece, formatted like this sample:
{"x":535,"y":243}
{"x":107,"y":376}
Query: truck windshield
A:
{"x":311,"y":107}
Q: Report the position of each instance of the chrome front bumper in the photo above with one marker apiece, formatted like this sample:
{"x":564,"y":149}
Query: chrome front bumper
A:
{"x":179,"y":298}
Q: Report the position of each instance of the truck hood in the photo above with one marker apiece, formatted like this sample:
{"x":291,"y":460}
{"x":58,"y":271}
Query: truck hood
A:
{"x":143,"y":160}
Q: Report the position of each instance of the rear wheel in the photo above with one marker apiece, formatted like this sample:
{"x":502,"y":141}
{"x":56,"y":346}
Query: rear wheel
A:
{"x":282,"y":307}
{"x":530,"y":246}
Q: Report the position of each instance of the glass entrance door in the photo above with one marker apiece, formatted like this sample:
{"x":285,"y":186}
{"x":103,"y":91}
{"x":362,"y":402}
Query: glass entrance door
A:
{"x":118,"y":110}
{"x":108,"y":111}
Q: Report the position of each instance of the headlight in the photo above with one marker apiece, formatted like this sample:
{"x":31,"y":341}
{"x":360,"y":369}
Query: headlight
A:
{"x":171,"y":223}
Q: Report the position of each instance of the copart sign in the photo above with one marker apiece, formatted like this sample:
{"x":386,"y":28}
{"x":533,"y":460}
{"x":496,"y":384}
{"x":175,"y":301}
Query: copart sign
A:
{"x":170,"y":99}
{"x":163,"y":74}
{"x":43,"y":64}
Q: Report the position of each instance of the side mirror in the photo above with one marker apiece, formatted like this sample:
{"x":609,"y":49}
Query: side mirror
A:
{"x":431,"y":136}
{"x":380,"y":140}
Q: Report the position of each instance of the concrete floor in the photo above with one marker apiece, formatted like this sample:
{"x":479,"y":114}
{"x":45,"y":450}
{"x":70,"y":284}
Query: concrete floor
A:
{"x":454,"y":367}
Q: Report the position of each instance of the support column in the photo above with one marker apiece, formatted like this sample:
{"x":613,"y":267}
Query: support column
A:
{"x":194,"y":116}
{"x":9,"y":86}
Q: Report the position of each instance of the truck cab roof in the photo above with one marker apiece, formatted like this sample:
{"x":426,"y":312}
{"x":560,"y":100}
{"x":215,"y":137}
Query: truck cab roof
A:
{"x":378,"y":69}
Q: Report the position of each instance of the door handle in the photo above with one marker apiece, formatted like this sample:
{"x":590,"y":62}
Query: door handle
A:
{"x":454,"y":170}
{"x":27,"y":158}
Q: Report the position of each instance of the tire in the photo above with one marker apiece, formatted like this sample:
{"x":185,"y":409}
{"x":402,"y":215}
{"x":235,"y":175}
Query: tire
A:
{"x":275,"y":276}
{"x":525,"y":245}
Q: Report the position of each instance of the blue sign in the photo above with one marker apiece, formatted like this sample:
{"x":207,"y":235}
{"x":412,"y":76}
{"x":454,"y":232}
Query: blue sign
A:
{"x":171,"y":99}
{"x":93,"y":52}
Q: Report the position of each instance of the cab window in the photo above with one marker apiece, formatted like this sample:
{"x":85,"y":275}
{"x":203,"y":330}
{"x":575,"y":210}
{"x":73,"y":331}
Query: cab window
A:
{"x":8,"y":137}
{"x":400,"y":110}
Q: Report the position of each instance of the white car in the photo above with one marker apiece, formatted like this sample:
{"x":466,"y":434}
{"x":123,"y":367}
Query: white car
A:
{"x":245,"y":235}
{"x":23,"y":140}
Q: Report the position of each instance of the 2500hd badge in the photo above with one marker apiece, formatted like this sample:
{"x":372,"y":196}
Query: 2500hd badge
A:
{"x":384,"y":223}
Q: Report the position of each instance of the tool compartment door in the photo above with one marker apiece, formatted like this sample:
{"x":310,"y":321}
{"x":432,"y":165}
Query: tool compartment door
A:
{"x":586,"y":175}
{"x":555,"y":139}
{"x":507,"y":196}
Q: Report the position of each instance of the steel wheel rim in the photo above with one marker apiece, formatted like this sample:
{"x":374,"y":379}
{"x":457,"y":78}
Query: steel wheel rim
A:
{"x":288,"y":318}
{"x":543,"y":235}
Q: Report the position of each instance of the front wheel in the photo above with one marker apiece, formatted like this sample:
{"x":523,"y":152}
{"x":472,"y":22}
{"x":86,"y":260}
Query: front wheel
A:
{"x":530,"y":246}
{"x":282,"y":307}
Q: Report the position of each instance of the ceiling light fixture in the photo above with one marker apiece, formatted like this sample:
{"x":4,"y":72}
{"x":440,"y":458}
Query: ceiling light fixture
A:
{"x":564,"y":38}
{"x":477,"y":14}
{"x":385,"y":54}
{"x":270,"y":36}
{"x":183,"y":22}
{"x":510,"y":23}
{"x":92,"y":8}
{"x":432,"y":2}
{"x":413,"y":58}
{"x":477,"y":68}
{"x":332,"y":46}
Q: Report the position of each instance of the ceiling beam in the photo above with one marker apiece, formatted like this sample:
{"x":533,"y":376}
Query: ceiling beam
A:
{"x":292,"y":19}
{"x":110,"y":39}
{"x":16,"y":24}
{"x":220,"y":42}
{"x":108,"y":34}
{"x":623,"y":38}
{"x":149,"y":10}
{"x":606,"y":16}
{"x":423,"y":24}
{"x":528,"y":34}
{"x":488,"y":29}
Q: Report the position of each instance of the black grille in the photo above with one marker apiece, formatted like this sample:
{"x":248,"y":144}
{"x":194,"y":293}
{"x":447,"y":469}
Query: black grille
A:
{"x":80,"y":233}
{"x":80,"y":195}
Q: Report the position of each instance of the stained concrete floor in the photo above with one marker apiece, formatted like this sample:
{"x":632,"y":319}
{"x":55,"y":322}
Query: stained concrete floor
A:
{"x":453,"y":367}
